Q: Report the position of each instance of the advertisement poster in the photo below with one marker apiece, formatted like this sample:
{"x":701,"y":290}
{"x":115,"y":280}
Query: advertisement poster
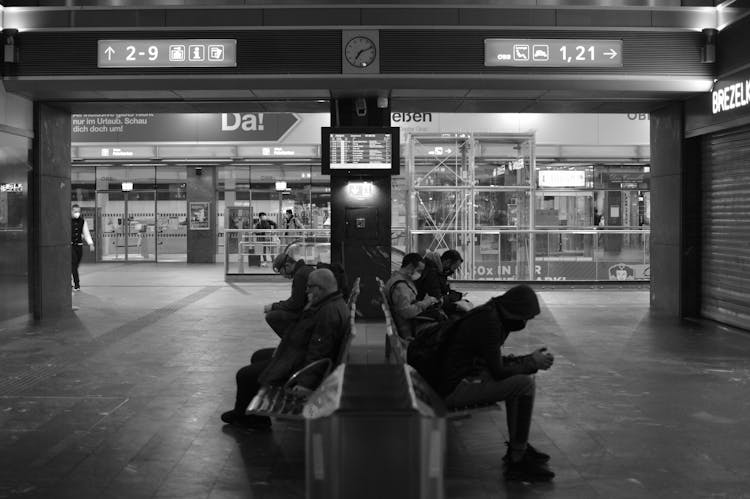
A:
{"x":199,"y":216}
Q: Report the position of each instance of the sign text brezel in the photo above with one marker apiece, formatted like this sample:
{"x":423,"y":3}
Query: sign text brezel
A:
{"x":731,"y":97}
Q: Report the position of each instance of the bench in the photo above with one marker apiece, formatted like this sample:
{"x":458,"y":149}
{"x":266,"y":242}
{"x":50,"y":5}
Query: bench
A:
{"x":279,"y":401}
{"x":399,"y":346}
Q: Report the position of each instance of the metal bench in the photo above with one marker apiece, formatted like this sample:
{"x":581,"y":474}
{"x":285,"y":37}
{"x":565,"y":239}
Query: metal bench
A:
{"x":279,"y":401}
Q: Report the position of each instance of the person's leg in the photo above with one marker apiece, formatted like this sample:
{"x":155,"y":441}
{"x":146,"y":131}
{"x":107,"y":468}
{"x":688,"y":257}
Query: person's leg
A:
{"x":77,"y":251}
{"x":280,"y":320}
{"x":518,"y":394}
{"x":247,"y":387}
{"x":264,"y":354}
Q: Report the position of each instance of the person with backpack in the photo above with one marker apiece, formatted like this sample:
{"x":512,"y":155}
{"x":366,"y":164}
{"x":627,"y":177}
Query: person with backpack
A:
{"x":280,"y":314}
{"x":462,"y":361}
{"x":402,"y":295}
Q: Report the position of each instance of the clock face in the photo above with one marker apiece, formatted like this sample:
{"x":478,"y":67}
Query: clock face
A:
{"x":360,"y":51}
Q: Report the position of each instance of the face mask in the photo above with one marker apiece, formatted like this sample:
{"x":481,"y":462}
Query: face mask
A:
{"x":76,"y":215}
{"x":415,"y":276}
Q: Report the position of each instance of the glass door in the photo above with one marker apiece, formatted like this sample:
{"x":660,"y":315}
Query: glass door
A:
{"x":128,"y":226}
{"x":171,"y":214}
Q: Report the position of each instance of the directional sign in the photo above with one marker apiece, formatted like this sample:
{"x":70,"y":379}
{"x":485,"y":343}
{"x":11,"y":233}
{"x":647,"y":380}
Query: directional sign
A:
{"x":200,"y":52}
{"x":552,"y":52}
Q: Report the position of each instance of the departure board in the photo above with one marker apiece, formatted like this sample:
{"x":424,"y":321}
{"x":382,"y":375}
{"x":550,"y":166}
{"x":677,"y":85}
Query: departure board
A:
{"x":361,"y":151}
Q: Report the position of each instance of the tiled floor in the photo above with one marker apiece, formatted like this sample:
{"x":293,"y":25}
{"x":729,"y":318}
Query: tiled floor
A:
{"x":123,"y":398}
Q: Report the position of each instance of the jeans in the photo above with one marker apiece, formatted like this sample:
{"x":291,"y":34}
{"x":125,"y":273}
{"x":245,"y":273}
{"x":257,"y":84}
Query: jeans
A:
{"x":517,"y":392}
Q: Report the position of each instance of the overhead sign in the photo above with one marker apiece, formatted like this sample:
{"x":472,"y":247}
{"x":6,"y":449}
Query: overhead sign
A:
{"x":551,"y":52}
{"x":730,"y":97}
{"x":182,"y":127}
{"x":201,"y":52}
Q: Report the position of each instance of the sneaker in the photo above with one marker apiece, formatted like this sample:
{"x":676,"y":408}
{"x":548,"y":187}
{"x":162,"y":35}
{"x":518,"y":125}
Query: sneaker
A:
{"x":527,"y":470}
{"x":531,"y":453}
{"x":247,"y":422}
{"x":76,"y":288}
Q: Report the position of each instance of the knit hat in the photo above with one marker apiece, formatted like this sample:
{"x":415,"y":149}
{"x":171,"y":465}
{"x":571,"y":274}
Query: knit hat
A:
{"x":518,"y":303}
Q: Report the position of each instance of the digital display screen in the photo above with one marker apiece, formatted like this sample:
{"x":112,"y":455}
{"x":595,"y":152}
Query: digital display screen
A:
{"x":358,"y":151}
{"x":367,"y":150}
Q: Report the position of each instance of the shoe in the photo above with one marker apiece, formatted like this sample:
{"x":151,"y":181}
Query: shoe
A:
{"x":527,"y":470}
{"x":76,"y":288}
{"x":531,"y":452}
{"x":247,"y":422}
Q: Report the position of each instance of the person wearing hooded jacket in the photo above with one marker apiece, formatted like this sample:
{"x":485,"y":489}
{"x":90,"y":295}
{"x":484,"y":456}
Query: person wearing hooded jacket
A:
{"x":434,"y":281}
{"x":281,"y":314}
{"x":476,"y":340}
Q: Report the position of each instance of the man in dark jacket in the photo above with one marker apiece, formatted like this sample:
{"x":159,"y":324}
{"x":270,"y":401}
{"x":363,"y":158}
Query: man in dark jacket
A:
{"x":434,"y":281}
{"x":316,"y":335}
{"x":282,"y":314}
{"x":476,"y":340}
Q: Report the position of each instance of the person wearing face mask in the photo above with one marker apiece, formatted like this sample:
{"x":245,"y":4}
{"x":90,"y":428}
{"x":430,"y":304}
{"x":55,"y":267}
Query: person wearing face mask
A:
{"x":402,"y":294}
{"x":434,"y":282}
{"x":470,"y":370}
{"x":281,"y":314}
{"x":78,"y":233}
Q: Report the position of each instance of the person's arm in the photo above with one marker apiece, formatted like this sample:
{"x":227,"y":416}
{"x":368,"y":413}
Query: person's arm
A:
{"x":87,"y":235}
{"x":492,"y":340}
{"x":402,"y":304}
{"x":296,"y":302}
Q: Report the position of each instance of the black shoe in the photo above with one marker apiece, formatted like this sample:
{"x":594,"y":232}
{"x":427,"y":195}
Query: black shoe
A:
{"x":531,"y":453}
{"x":247,"y":422}
{"x":527,"y":470}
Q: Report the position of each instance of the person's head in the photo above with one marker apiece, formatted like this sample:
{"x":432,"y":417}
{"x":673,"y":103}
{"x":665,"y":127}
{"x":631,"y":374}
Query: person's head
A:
{"x":75,"y":211}
{"x":262,"y":215}
{"x":289,"y":214}
{"x":320,"y":283}
{"x":452,"y":260}
{"x":284,"y":265}
{"x":516,"y":306}
{"x":413,"y":265}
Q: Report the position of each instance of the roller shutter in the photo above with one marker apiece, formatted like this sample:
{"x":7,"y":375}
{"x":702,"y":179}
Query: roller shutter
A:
{"x":725,"y":262}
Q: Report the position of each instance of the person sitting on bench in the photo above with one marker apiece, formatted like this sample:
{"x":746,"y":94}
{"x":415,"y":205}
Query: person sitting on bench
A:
{"x":317,"y":334}
{"x":402,"y":295}
{"x":281,"y":314}
{"x":475,"y":340}
{"x":434,"y":282}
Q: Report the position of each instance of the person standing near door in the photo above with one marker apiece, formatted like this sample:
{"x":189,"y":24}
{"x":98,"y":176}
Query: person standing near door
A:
{"x":78,"y":232}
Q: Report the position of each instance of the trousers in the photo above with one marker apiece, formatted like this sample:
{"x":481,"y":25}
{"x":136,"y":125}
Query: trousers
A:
{"x":517,"y":391}
{"x":247,"y":379}
{"x":76,"y":253}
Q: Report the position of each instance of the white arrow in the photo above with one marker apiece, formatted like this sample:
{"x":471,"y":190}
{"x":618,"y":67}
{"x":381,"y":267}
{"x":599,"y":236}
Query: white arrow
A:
{"x":108,"y":52}
{"x":611,"y":53}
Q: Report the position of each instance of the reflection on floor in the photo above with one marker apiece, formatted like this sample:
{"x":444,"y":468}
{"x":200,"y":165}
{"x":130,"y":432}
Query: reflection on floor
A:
{"x":123,"y":398}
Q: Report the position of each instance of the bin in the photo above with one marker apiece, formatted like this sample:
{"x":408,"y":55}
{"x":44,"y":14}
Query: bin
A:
{"x":374,"y":431}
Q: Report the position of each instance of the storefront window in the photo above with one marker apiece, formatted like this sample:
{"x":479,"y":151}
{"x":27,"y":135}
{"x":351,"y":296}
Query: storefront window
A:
{"x":516,"y":219}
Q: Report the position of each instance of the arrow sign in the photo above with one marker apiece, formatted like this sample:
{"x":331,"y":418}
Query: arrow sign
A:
{"x":611,"y":53}
{"x":109,"y":51}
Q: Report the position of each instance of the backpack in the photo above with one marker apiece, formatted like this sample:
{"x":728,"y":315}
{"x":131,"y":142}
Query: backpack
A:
{"x":423,"y":352}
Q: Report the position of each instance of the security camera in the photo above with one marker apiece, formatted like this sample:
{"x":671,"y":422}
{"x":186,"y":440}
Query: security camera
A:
{"x":360,"y":107}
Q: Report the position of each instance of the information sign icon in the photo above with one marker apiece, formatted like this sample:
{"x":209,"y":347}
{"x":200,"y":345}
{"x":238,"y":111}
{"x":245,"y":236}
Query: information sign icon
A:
{"x":541,"y":52}
{"x":521,"y":52}
{"x":176,"y":52}
{"x":215,"y":52}
{"x":196,"y":53}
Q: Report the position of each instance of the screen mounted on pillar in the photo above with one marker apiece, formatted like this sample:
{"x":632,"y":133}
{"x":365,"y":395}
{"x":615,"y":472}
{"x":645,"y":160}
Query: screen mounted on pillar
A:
{"x":360,"y":150}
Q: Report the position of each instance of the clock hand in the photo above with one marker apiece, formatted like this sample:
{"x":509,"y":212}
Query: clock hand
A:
{"x":362,"y":51}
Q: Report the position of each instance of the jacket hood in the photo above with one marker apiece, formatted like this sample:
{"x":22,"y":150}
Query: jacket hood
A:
{"x":518,"y":303}
{"x":434,"y":258}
